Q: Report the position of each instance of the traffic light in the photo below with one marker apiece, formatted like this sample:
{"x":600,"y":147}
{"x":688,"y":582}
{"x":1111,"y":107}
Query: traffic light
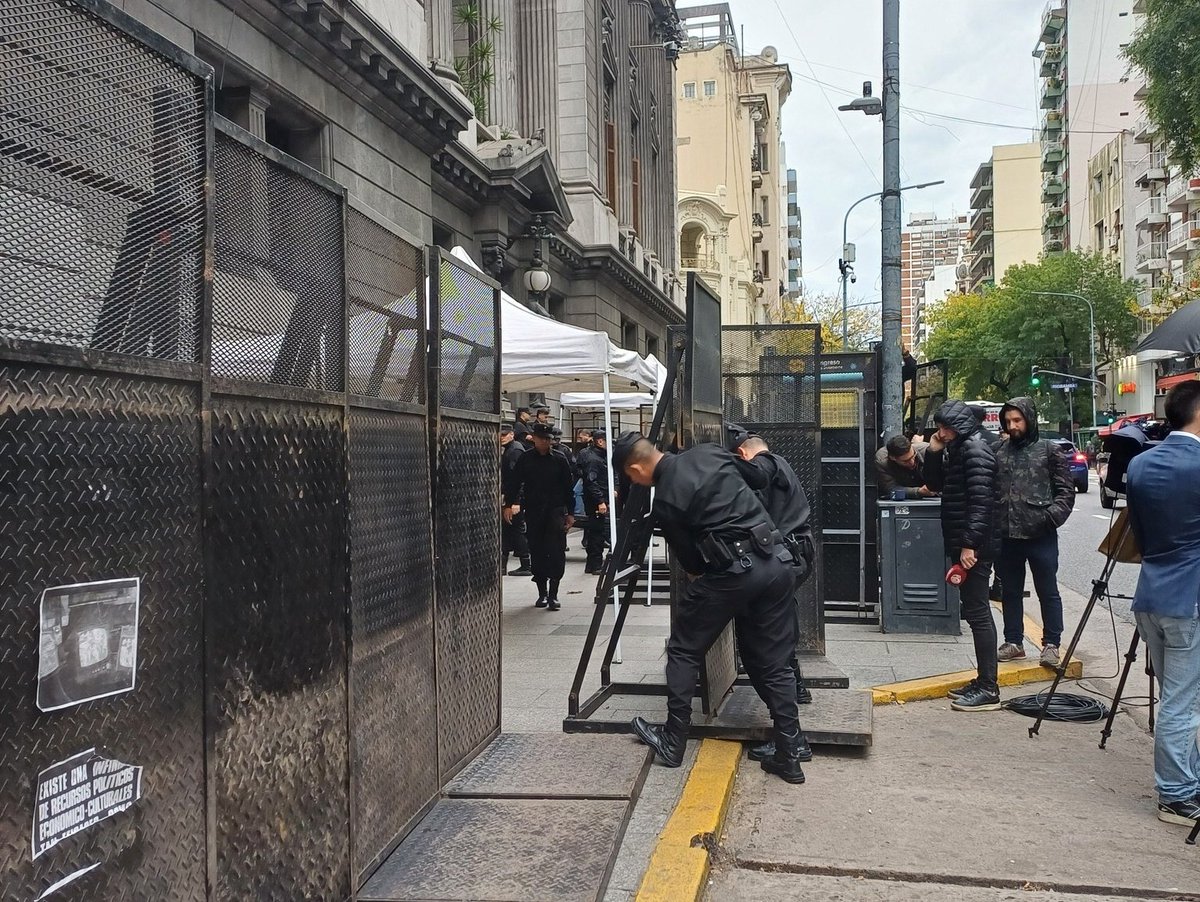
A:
{"x":1035,"y":377}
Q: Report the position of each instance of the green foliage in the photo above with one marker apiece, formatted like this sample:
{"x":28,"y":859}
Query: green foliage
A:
{"x":862,"y":323}
{"x":1167,"y":49}
{"x":475,"y":70}
{"x":994,"y":340}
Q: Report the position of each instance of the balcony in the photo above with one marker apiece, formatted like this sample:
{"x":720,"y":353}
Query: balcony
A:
{"x":981,"y":246}
{"x":1052,"y":92}
{"x":1052,"y":125}
{"x":1143,"y":131}
{"x":981,"y":195}
{"x":1152,"y":256}
{"x":1052,"y":156}
{"x":1052,"y":57}
{"x":703,"y":262}
{"x":1054,"y":240}
{"x":1183,"y":239}
{"x":1053,"y":20}
{"x":1055,"y":217}
{"x":1151,"y":168}
{"x":1152,"y":213}
{"x":1182,"y":192}
{"x":982,"y":218}
{"x":1052,"y":189}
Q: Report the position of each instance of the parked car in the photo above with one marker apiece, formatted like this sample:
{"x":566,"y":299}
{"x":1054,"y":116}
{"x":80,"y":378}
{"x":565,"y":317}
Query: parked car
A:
{"x":1077,"y":463}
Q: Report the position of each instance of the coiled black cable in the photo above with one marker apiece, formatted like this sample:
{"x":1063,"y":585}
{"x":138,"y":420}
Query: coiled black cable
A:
{"x":1063,"y":706}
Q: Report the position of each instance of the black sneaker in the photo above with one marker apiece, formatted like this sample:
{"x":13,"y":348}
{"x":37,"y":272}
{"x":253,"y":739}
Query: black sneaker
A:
{"x":541,"y":602}
{"x":1185,"y":813}
{"x":962,"y":690}
{"x":977,"y":699}
{"x":553,"y":605}
{"x":803,"y":696}
{"x":521,"y":571}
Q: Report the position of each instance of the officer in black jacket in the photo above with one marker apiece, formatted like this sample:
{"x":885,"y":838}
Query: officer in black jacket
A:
{"x":737,"y":569}
{"x":783,"y":496}
{"x":593,"y":465}
{"x":961,"y":464}
{"x":542,"y":488}
{"x":512,"y":534}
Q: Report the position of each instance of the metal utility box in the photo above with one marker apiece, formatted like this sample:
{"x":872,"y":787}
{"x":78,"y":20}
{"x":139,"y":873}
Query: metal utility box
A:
{"x":915,"y":597}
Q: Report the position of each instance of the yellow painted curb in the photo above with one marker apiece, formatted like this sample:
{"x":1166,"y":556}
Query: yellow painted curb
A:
{"x":1009,"y":673}
{"x":678,"y":869}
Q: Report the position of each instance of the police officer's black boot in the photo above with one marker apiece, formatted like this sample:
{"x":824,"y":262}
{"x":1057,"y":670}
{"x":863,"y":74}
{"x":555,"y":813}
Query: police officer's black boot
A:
{"x":541,"y":599}
{"x":767,"y":750}
{"x":668,"y":740}
{"x":523,"y":570}
{"x":552,"y":598}
{"x":785,"y":764}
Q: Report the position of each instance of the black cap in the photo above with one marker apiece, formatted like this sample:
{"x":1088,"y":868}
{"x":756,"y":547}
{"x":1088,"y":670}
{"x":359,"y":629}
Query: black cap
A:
{"x":506,"y":428}
{"x":542,"y":430}
{"x":621,"y":448}
{"x":735,"y":435}
{"x":598,"y":433}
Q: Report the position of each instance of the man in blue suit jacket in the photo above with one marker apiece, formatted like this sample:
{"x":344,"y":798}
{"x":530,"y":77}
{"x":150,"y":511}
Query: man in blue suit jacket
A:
{"x":1163,"y":487}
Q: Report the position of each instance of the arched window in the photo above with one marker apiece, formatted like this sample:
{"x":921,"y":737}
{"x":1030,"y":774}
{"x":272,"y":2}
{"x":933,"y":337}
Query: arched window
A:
{"x":693,"y":247}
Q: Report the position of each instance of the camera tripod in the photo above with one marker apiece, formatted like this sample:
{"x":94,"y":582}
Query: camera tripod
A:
{"x":1099,"y":591}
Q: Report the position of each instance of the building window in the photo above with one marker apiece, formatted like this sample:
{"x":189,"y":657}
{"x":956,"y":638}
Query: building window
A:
{"x":689,"y":90}
{"x":610,"y":143}
{"x":635,"y":186}
{"x":766,"y":264}
{"x":652,"y":346}
{"x":762,"y":158}
{"x":629,"y":335}
{"x":558,"y":308}
{"x":710,"y":89}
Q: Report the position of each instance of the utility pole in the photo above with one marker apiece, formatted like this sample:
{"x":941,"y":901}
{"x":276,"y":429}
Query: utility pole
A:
{"x":892,"y":379}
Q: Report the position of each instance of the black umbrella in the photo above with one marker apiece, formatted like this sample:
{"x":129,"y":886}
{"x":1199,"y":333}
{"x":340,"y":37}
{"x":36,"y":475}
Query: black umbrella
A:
{"x":1178,"y":332}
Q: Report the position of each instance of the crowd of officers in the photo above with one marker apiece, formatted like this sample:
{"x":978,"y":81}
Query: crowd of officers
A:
{"x":737,"y":521}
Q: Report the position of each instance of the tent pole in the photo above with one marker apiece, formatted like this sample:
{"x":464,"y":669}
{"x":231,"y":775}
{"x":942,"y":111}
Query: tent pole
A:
{"x":612,"y":493}
{"x":650,"y":559}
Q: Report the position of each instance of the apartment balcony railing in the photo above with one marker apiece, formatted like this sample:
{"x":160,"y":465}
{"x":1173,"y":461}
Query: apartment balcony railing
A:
{"x":1052,"y":57}
{"x":1152,"y":256}
{"x":1182,"y":191}
{"x":1151,"y":168}
{"x":705,"y":262}
{"x":1055,"y":217}
{"x":1052,"y":125}
{"x":981,"y":196}
{"x":1052,"y":189}
{"x":1152,"y":213}
{"x":1054,"y":240}
{"x":1143,"y":131}
{"x":1052,"y":92}
{"x":1053,"y":19}
{"x":1183,"y":239}
{"x":1052,"y":156}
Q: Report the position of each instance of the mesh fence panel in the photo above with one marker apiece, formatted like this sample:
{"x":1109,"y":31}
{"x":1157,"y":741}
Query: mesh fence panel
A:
{"x":278,"y":285}
{"x":385,"y":277}
{"x":929,"y":392}
{"x":102,"y":162}
{"x":467,"y":314}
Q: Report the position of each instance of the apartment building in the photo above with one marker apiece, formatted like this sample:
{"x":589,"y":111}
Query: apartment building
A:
{"x":1087,"y":99}
{"x":1116,"y":192}
{"x":925,"y":243}
{"x":1006,"y":213}
{"x":795,"y":238}
{"x":732,"y":181}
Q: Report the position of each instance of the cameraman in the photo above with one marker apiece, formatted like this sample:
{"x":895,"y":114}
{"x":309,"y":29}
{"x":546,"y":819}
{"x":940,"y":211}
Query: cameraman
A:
{"x":1163,"y":488}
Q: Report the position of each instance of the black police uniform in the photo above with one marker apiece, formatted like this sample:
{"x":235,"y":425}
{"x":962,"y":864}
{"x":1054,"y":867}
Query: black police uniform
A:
{"x":512,"y":534}
{"x":542,"y":485}
{"x":593,"y":463}
{"x":723,"y":538}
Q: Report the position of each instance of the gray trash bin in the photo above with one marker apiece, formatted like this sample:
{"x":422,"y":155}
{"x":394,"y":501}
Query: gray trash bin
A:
{"x":915,"y":596}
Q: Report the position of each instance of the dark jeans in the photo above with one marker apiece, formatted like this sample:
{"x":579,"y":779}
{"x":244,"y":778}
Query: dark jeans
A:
{"x":1042,"y":555}
{"x":547,"y":542}
{"x":975,"y":609}
{"x":759,"y":601}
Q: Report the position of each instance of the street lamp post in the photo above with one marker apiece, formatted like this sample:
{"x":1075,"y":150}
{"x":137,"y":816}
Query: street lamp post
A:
{"x":845,"y":266}
{"x":1092,"y":330}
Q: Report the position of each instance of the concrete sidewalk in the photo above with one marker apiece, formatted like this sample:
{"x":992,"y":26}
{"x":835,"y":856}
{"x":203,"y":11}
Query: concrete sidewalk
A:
{"x":950,"y":801}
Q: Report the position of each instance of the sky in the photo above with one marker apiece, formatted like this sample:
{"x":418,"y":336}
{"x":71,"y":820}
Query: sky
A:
{"x":967,"y":59}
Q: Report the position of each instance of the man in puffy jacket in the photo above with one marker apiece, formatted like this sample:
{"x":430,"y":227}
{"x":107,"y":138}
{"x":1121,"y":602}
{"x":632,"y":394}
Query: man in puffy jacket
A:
{"x":962,"y":466}
{"x":1037,"y":495}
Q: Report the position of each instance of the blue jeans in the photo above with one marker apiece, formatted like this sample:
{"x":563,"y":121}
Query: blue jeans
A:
{"x":1042,"y":555}
{"x":1174,"y":647}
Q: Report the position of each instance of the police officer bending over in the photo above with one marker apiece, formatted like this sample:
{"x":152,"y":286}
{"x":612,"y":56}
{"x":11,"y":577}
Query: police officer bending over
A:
{"x":737,"y":570}
{"x":779,"y":489}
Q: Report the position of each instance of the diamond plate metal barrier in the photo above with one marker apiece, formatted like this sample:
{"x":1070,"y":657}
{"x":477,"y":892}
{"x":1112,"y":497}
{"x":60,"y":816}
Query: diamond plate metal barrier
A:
{"x":278,"y":286}
{"x":393,"y":690}
{"x":385,"y":278}
{"x":926,"y":393}
{"x":101,"y":482}
{"x":277,"y":667}
{"x":102,"y":169}
{"x":770,"y":383}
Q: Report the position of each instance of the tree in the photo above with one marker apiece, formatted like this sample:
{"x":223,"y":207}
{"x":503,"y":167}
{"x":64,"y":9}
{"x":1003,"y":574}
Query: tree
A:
{"x":993,"y":340}
{"x":1167,"y":49}
{"x":475,"y":71}
{"x":863,"y":323}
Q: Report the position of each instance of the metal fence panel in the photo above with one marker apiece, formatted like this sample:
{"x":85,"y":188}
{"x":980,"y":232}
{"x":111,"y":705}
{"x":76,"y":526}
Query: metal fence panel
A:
{"x":101,"y":482}
{"x":278,"y":285}
{"x":770,"y":380}
{"x":466,"y":493}
{"x":926,"y":393}
{"x":277,"y":667}
{"x":393,"y":689}
{"x":102,"y":169}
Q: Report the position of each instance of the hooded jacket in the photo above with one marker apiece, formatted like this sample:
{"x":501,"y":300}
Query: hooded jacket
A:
{"x":966,"y":475}
{"x":1036,"y":491}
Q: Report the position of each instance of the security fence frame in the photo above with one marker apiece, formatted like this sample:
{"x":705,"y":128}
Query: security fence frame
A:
{"x":233,"y":402}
